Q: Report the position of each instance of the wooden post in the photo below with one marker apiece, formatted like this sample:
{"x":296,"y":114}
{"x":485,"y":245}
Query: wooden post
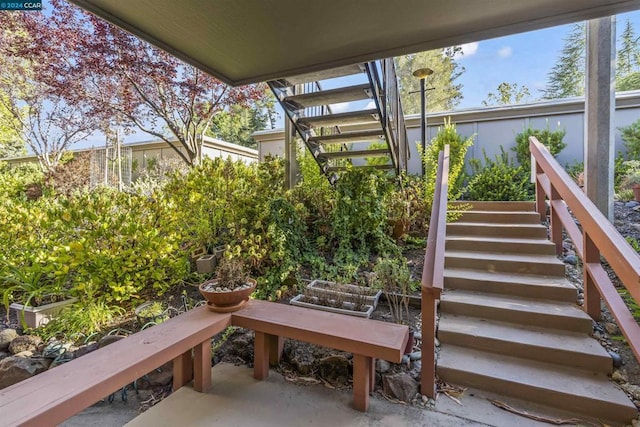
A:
{"x":591,"y":294}
{"x":182,"y":370}
{"x":361,"y":381}
{"x":202,"y":367}
{"x":555,"y":223}
{"x":261,"y":356}
{"x":541,"y":207}
{"x":428,"y":370}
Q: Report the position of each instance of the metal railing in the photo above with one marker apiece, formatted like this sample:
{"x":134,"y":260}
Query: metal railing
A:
{"x":597,"y":237}
{"x":433,"y":274}
{"x":386,"y":95}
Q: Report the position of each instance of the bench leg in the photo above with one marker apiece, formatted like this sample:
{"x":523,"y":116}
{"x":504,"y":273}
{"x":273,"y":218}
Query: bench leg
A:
{"x":202,"y":367}
{"x":372,"y":375}
{"x":268,"y":349}
{"x":182,"y":370}
{"x":361,"y":381}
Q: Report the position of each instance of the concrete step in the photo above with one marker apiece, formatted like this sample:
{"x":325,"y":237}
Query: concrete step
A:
{"x":505,"y":262}
{"x":525,"y":311}
{"x":331,"y":73}
{"x":572,"y":349}
{"x":506,"y":217}
{"x":519,"y":285}
{"x":497,"y":206}
{"x":331,"y":96}
{"x":461,"y":228}
{"x":501,"y":244}
{"x":574,"y":390}
{"x":352,"y":117}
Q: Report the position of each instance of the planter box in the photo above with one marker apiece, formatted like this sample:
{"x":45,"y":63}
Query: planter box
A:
{"x":347,"y":292}
{"x":297,"y":301}
{"x":206,"y":264}
{"x":39,"y":316}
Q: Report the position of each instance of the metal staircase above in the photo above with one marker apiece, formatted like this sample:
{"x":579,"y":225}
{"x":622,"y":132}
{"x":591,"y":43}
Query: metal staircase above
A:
{"x":364,"y":136}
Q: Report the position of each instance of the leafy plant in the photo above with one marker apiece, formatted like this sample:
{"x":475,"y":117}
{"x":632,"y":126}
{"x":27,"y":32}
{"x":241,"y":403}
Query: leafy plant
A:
{"x":392,"y":276}
{"x":498,"y":179}
{"x":553,"y":140}
{"x":232,"y":273}
{"x":631,"y":138}
{"x":635,"y":244}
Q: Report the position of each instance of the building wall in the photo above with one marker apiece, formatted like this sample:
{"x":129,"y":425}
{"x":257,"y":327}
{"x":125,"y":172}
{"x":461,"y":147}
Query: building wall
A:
{"x":497,"y":126}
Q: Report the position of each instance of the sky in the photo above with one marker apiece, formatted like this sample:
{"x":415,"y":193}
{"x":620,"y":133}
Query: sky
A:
{"x":525,"y":59}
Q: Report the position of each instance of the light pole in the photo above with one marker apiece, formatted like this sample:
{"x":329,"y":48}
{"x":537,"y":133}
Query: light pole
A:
{"x":422,"y":74}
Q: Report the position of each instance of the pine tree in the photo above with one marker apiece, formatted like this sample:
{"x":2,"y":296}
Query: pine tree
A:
{"x":567,"y":78}
{"x":628,"y":57}
{"x":506,"y":94}
{"x":446,"y":93}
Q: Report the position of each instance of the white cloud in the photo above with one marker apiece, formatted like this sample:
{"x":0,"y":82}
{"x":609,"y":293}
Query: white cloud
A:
{"x":468,"y":49}
{"x":505,"y":52}
{"x":340,"y":107}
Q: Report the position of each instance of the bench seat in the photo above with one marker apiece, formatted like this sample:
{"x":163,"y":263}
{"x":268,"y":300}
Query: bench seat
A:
{"x":366,"y":339}
{"x":55,"y":395}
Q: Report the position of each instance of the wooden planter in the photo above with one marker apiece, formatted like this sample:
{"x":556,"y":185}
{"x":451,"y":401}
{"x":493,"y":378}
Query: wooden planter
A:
{"x":34,"y":317}
{"x":298,"y":301}
{"x":347,"y":292}
{"x":636,"y":192}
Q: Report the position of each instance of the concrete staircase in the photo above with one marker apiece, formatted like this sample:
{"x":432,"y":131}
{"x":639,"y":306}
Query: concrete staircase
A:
{"x":509,"y":323}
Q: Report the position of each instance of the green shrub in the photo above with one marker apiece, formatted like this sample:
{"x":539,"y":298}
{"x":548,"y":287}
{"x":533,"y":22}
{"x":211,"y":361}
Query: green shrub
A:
{"x":631,"y":138}
{"x":15,"y":181}
{"x":551,"y":139}
{"x":458,"y":146}
{"x":498,"y":180}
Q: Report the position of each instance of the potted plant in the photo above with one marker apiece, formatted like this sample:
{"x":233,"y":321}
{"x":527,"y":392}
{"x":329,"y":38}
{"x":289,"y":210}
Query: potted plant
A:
{"x":34,"y":292}
{"x":394,"y":279}
{"x":231,"y":289}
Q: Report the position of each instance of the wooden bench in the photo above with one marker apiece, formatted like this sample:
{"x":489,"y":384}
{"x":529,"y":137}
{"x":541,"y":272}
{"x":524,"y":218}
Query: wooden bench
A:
{"x":55,"y":395}
{"x":366,"y":339}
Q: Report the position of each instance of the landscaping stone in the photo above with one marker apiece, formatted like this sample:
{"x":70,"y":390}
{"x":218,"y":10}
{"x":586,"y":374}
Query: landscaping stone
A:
{"x":619,"y":376}
{"x":24,"y":343}
{"x":632,"y":204}
{"x":26,"y":353}
{"x":334,"y":369}
{"x":15,"y":369}
{"x":611,"y":328}
{"x":81,"y":351}
{"x":382,"y":366}
{"x":570,"y":259}
{"x":157,"y":378}
{"x":6,"y":336}
{"x":400,"y":386}
{"x":617,"y":360}
{"x":109,"y":339}
{"x":632,"y":390}
{"x":416,"y":355}
{"x":4,"y":354}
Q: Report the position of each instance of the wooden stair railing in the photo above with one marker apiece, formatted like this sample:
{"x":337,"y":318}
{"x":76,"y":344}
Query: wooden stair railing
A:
{"x":433,"y":274}
{"x":598,"y":237}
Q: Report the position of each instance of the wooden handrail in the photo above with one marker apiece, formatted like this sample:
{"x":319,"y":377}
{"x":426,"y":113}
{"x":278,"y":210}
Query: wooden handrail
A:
{"x":598,"y":237}
{"x":433,"y":274}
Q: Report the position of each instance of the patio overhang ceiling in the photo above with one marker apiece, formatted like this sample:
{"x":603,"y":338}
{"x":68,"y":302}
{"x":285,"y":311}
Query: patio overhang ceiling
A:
{"x":247,"y":41}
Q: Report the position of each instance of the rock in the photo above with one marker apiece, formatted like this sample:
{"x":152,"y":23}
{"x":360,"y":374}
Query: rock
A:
{"x":6,"y":336}
{"x":24,"y":343}
{"x":401,"y":386}
{"x":303,"y":362}
{"x":157,"y":378}
{"x":617,"y":360}
{"x":405,"y":359}
{"x":81,"y":351}
{"x":632,"y":204}
{"x":4,"y":354}
{"x":635,"y":226}
{"x":611,"y":328}
{"x":425,"y":399}
{"x":636,"y":422}
{"x":570,"y":259}
{"x":567,"y":245}
{"x":619,"y":376}
{"x":15,"y":369}
{"x":26,"y":353}
{"x":631,"y":389}
{"x":416,"y":355}
{"x":437,"y":342}
{"x":109,"y":339}
{"x":417,"y":336}
{"x":334,"y":369}
{"x":382,"y":366}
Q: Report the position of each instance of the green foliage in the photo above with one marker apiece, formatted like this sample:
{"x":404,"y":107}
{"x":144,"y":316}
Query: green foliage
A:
{"x":551,"y":139}
{"x":631,"y":138}
{"x":566,"y":78}
{"x":498,"y":180}
{"x":634,"y":243}
{"x":15,"y":181}
{"x":458,"y":146}
{"x":628,"y":56}
{"x":507,"y":94}
{"x":629,"y":82}
{"x":392,"y":276}
{"x":11,"y":143}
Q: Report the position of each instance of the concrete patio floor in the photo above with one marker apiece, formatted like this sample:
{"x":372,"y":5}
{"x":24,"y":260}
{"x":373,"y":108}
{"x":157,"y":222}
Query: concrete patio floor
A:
{"x":237,"y":399}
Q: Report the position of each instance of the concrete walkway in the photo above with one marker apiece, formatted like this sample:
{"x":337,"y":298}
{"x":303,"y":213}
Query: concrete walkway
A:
{"x":237,"y":399}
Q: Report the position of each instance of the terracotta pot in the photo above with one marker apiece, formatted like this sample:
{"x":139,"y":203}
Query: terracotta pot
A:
{"x":636,"y":192}
{"x":226,"y":300}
